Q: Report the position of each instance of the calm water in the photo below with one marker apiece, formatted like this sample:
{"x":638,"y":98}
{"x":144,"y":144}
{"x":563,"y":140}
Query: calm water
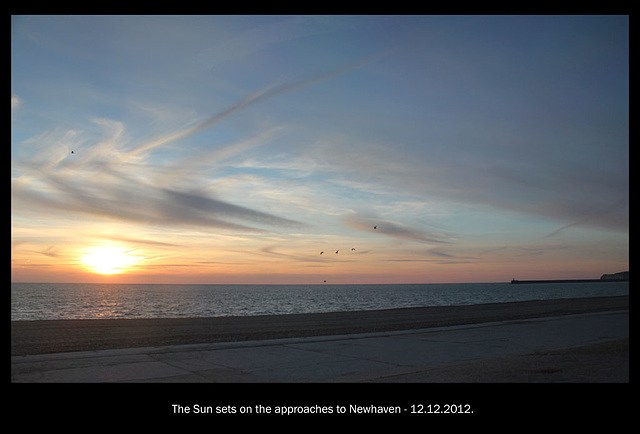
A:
{"x":38,"y":301}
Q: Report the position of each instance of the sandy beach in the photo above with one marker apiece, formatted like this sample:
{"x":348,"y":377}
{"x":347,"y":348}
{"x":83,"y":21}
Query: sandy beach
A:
{"x":43,"y":337}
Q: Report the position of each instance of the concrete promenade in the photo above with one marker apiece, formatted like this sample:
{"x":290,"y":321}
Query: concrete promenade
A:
{"x":587,"y":347}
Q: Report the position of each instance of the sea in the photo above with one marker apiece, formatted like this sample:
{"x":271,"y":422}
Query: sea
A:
{"x":51,"y":301}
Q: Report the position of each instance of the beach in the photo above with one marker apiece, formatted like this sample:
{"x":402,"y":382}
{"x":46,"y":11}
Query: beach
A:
{"x":56,"y":336}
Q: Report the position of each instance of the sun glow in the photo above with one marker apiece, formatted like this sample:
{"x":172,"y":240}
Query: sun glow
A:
{"x":109,"y":260}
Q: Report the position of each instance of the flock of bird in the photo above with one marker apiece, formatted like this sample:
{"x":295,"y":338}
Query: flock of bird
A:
{"x":352,"y":249}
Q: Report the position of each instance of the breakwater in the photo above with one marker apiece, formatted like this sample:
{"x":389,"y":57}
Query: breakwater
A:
{"x":518,"y":282}
{"x":623,"y":276}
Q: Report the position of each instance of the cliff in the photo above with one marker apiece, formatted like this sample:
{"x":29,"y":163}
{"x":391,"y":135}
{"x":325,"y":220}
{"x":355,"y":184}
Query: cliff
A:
{"x":622,"y":276}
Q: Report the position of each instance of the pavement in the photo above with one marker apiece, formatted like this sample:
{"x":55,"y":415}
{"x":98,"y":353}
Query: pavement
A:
{"x":570,"y":348}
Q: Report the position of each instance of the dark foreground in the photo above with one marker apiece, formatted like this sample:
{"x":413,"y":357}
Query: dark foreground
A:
{"x":43,"y":337}
{"x":605,"y":362}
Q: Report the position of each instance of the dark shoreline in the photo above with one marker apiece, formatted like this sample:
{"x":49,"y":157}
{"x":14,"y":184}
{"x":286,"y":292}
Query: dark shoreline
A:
{"x":53,"y":336}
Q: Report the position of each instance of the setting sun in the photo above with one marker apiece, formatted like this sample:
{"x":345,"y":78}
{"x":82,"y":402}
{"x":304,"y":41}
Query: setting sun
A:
{"x":109,"y":260}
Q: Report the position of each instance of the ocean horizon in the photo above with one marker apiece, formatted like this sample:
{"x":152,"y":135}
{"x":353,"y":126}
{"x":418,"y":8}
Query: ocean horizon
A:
{"x":54,"y":301}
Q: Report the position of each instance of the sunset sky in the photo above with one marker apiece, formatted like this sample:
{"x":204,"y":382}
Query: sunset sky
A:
{"x":235,"y":149}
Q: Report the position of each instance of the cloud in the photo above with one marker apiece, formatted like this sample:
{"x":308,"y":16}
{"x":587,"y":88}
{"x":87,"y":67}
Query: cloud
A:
{"x":16,"y":101}
{"x":571,"y":193}
{"x":149,"y":205}
{"x":393,"y":229}
{"x":51,"y":251}
{"x":96,"y":181}
{"x":270,"y":251}
{"x":136,"y":241}
{"x":200,"y":164}
{"x":100,"y":180}
{"x":117,"y":195}
{"x":614,"y":216}
{"x":197,"y":203}
{"x":261,"y":95}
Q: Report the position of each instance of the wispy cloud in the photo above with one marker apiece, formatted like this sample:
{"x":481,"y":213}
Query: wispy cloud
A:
{"x":130,"y":240}
{"x":261,"y":95}
{"x":381,"y":226}
{"x":197,"y":204}
{"x":561,"y":191}
{"x":16,"y":101}
{"x":51,"y":251}
{"x":135,"y":201}
{"x":99,"y":182}
{"x":614,"y":216}
{"x":298,"y":257}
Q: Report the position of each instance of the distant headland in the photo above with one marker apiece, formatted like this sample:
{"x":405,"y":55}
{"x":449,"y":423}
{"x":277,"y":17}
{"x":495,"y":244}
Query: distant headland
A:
{"x":622,"y":276}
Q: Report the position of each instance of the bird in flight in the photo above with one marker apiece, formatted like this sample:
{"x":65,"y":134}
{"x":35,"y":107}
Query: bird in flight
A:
{"x":337,"y":251}
{"x":375,"y":227}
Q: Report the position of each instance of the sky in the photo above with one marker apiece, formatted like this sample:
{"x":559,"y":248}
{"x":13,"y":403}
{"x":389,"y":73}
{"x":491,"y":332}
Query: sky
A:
{"x":304,"y":149}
